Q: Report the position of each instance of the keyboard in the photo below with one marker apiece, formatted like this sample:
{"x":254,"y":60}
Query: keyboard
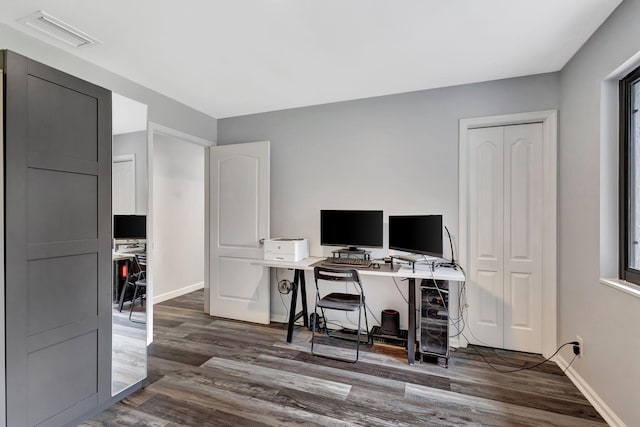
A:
{"x":347,"y":262}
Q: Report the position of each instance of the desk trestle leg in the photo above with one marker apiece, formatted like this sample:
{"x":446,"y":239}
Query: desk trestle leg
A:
{"x":298,"y":282}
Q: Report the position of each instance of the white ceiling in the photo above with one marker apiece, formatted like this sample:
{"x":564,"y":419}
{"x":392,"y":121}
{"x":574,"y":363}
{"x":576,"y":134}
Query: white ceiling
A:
{"x":234,"y":57}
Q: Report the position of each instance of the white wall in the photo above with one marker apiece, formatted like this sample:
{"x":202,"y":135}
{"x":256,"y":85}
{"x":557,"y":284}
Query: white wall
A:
{"x":135,"y":143}
{"x":178,"y":217}
{"x":606,"y":318}
{"x":398,"y":153}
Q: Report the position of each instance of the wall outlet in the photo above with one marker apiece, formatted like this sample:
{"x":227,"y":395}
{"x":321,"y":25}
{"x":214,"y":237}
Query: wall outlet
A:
{"x":579,"y":339}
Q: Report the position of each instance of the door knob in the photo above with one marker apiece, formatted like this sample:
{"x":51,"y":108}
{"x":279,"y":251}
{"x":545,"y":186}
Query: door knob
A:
{"x":261,"y":242}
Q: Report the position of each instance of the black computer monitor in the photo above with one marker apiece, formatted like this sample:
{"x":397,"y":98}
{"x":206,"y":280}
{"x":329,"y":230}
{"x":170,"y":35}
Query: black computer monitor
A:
{"x":418,"y":234}
{"x":129,"y":227}
{"x":352,"y":229}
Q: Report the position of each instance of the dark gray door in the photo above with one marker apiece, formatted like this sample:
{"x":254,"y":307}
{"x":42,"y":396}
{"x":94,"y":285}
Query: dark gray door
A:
{"x":58,"y":244}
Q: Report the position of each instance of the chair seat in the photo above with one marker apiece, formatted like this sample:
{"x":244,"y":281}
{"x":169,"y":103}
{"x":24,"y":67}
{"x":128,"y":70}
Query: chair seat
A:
{"x":340,"y":301}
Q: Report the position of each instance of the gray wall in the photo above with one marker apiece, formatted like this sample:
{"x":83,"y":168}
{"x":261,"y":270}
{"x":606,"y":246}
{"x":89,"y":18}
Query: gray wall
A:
{"x":162,"y":110}
{"x":398,"y":153}
{"x":135,"y":143}
{"x":606,"y":318}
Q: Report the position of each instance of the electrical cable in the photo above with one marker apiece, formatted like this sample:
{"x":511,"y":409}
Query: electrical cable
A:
{"x":461,"y":320}
{"x":366,"y":307}
{"x":285,"y":307}
{"x":508,"y":371}
{"x":373,"y":315}
{"x":456,"y":322}
{"x":399,"y":291}
{"x":465,"y":325}
{"x":285,"y":325}
{"x":405,"y":300}
{"x":570,"y":363}
{"x":282,"y":299}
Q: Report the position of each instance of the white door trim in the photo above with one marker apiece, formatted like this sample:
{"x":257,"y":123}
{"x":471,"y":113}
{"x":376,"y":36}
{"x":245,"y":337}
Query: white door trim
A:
{"x":549,"y":121}
{"x":152,"y":130}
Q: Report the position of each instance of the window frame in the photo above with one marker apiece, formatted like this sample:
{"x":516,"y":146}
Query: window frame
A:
{"x":626,"y":273}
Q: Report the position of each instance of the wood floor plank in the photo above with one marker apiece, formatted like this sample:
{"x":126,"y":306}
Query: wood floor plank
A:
{"x":121,"y":415}
{"x":582,"y":409}
{"x":385,"y":388}
{"x":281,"y":378}
{"x":182,"y":355}
{"x":519,"y":415}
{"x":532,"y":397}
{"x":192,"y":414}
{"x":261,"y":411}
{"x":207,"y":371}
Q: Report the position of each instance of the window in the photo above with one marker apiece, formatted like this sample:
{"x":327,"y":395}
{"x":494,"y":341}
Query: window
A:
{"x":630,"y":177}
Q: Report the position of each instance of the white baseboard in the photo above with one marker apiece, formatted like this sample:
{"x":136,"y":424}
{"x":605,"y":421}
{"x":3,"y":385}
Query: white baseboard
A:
{"x":279,"y":318}
{"x":177,"y":292}
{"x":603,"y":409}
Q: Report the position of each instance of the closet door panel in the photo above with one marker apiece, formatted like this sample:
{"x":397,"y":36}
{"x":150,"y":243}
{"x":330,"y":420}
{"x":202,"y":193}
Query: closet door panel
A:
{"x":58,"y":244}
{"x":486,"y":277}
{"x":523,"y":237}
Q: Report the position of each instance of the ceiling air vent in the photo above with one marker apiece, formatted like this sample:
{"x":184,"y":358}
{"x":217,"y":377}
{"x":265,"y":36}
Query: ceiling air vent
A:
{"x":53,"y":27}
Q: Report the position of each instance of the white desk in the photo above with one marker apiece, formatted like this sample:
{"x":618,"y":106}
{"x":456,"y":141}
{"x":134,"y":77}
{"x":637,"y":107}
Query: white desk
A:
{"x":423,"y":272}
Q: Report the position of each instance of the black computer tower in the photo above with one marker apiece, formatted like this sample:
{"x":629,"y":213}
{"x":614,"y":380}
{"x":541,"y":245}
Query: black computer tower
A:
{"x":434,"y":319}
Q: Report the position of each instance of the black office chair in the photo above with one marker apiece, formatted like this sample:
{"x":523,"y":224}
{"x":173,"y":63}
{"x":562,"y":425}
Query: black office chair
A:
{"x":134,"y":272}
{"x":340,"y":301}
{"x":140,"y":282}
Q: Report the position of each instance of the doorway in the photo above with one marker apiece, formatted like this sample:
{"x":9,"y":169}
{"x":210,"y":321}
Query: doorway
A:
{"x":177,"y":199}
{"x":508,"y":211}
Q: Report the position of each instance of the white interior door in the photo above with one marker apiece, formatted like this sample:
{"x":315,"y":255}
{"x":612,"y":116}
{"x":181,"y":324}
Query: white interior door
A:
{"x":505,"y":236}
{"x":239,"y":210}
{"x":523,"y":237}
{"x":486,"y":236}
{"x":124,"y":184}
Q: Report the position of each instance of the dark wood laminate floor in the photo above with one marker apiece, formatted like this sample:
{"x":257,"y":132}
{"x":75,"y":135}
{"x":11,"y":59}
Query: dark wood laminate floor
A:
{"x":205,"y":371}
{"x":128,"y":347}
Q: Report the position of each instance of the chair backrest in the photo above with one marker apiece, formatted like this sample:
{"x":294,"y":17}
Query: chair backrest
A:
{"x":337,"y":275}
{"x":142,"y":259}
{"x":138,"y":267}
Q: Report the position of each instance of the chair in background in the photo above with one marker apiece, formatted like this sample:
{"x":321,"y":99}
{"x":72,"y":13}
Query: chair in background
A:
{"x":347,"y":302}
{"x":140,"y":283}
{"x":135,"y":271}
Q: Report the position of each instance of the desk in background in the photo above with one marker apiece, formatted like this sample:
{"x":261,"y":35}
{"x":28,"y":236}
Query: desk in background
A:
{"x":385,"y":270}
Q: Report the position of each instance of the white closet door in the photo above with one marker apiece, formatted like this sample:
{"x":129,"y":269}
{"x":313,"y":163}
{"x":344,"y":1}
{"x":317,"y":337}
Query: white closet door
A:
{"x":124,"y":185}
{"x":486,"y":239}
{"x":505,"y":237}
{"x":523,"y":237}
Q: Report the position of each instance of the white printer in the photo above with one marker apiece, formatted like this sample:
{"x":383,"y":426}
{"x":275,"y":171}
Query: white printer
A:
{"x":286,"y":249}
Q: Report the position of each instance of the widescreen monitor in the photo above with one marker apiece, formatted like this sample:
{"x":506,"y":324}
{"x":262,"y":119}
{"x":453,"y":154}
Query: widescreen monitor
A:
{"x":129,"y":227}
{"x":352,"y":229}
{"x":417,"y":234}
